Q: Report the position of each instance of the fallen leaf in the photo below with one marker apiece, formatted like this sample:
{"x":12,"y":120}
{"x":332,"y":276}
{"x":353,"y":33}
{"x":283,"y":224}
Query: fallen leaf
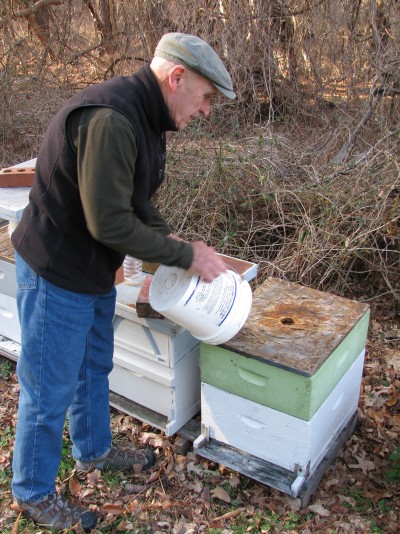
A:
{"x":163,"y":524}
{"x":114,"y":509}
{"x":197,"y":487}
{"x":86,"y":492}
{"x":294,"y":504}
{"x":364,"y":465}
{"x":171,"y":464}
{"x":15,"y":506}
{"x":331,"y":482}
{"x":205,"y":494}
{"x":221,"y":494}
{"x":93,"y":477}
{"x":155,"y":475}
{"x":149,"y":437}
{"x":135,"y":488}
{"x":16,"y":524}
{"x":75,"y":487}
{"x":124,"y":525}
{"x":394,"y":398}
{"x":234,"y":481}
{"x":198,"y":470}
{"x":349,"y":500}
{"x":338,"y":508}
{"x":134,"y":508}
{"x":228,"y":515}
{"x":320,"y":510}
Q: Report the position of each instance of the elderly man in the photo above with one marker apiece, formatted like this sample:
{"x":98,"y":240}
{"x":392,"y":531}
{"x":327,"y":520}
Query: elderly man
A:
{"x":101,"y":161}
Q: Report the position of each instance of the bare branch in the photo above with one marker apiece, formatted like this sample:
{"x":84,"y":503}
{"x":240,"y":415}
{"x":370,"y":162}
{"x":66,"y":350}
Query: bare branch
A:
{"x":344,"y":151}
{"x":33,"y":9}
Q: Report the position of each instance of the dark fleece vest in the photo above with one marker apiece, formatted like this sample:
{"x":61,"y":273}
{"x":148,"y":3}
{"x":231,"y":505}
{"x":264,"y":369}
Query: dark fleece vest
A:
{"x":52,"y":236}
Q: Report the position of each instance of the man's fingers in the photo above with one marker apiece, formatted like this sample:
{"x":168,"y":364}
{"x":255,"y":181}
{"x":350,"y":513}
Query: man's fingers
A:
{"x":206,"y":262}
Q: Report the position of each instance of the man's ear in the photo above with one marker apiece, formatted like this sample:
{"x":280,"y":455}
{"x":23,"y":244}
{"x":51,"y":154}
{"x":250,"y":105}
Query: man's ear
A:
{"x":175,"y":77}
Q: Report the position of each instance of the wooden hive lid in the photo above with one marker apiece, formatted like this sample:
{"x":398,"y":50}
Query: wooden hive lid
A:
{"x":295,"y":327}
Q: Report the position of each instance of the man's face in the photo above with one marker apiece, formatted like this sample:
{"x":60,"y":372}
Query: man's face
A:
{"x":191,"y":97}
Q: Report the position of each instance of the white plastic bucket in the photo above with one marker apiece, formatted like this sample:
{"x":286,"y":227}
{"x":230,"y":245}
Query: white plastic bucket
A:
{"x":213,"y":312}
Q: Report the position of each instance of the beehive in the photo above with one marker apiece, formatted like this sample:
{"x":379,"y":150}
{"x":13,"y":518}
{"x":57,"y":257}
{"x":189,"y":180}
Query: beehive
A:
{"x":285,"y":389}
{"x":293,"y":350}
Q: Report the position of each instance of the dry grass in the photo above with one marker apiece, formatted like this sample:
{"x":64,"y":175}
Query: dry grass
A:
{"x":266,"y":198}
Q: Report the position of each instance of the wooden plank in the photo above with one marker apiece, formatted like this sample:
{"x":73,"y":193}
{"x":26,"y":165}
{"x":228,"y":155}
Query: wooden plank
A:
{"x":138,"y":411}
{"x":248,"y":465}
{"x":182,"y":445}
{"x":6,"y":247}
{"x":246,"y":269}
{"x":190,"y":430}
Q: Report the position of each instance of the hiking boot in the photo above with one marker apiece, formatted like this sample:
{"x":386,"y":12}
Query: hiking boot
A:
{"x":120,"y":460}
{"x":54,"y":511}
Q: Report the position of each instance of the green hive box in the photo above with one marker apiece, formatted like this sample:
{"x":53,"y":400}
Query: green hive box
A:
{"x":294,"y":348}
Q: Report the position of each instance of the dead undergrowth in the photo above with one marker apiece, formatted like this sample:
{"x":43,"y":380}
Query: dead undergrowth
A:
{"x":269,"y":198}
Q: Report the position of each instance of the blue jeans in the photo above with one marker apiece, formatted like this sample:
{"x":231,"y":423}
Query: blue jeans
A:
{"x":67,"y":346}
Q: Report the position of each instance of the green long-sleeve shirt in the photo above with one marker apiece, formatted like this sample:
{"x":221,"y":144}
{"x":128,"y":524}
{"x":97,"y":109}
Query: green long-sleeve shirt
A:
{"x":106,"y":155}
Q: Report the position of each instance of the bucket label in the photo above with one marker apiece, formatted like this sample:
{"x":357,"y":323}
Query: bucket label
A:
{"x":213,"y":301}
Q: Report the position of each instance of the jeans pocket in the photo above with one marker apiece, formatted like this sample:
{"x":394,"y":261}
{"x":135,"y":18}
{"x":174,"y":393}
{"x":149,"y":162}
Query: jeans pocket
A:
{"x":26,"y":277}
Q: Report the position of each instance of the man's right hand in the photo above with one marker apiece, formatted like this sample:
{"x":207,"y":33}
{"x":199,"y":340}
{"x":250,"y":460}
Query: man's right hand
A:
{"x":206,"y":263}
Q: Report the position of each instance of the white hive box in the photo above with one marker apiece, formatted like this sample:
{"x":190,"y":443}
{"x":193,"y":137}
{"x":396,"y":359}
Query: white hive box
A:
{"x":286,"y":441}
{"x":156,"y":365}
{"x":9,"y":321}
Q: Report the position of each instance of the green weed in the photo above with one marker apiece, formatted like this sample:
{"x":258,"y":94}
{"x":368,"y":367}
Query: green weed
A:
{"x":6,"y":369}
{"x":392,"y":475}
{"x":6,"y":436}
{"x":112,"y":478}
{"x":361,"y":503}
